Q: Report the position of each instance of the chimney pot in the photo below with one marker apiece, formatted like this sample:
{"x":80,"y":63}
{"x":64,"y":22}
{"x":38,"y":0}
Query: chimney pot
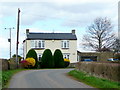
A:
{"x":73,"y":32}
{"x":27,"y":31}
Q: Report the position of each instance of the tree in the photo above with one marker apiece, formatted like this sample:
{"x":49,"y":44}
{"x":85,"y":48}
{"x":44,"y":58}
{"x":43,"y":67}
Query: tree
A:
{"x":47,"y":59}
{"x":99,"y":35}
{"x":19,"y":57}
{"x":116,"y":46}
{"x":58,"y":59}
{"x":32,"y":54}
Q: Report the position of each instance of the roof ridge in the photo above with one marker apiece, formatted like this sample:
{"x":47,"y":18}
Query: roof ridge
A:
{"x":47,"y":33}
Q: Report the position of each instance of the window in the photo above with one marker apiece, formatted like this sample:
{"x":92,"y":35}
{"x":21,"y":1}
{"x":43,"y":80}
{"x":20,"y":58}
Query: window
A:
{"x":32,"y":44}
{"x":65,"y":44}
{"x":66,"y":55}
{"x":37,"y":44}
{"x":39,"y":56}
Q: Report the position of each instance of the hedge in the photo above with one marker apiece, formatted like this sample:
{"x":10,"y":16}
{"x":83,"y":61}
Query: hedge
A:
{"x":110,"y":71}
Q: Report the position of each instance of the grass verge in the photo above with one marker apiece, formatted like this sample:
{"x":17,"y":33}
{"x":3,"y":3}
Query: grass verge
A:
{"x":94,"y":81}
{"x":6,"y":76}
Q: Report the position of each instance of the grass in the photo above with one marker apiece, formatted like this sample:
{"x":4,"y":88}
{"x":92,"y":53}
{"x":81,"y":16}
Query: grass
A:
{"x":94,"y":81}
{"x":6,"y":76}
{"x":0,"y":79}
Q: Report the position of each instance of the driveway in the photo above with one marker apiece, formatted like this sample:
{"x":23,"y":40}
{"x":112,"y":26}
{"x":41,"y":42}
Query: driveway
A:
{"x":45,"y":78}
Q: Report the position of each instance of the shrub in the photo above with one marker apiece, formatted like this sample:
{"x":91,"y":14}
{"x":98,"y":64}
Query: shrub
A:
{"x":105,"y":70}
{"x":67,"y":62}
{"x":58,"y":59}
{"x":31,"y":61}
{"x":47,"y":59}
{"x":24,"y":63}
{"x":28,"y":63}
{"x":32,"y":54}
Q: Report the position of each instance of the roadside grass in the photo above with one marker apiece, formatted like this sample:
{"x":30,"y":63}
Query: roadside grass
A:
{"x":0,"y":79}
{"x":94,"y":81}
{"x":6,"y":76}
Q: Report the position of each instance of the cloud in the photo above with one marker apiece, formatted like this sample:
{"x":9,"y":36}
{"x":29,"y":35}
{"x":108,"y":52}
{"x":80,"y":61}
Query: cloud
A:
{"x":67,"y":10}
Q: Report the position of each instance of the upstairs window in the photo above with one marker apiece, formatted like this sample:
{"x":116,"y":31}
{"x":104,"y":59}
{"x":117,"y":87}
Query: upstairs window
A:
{"x":65,"y":44}
{"x":37,"y":44}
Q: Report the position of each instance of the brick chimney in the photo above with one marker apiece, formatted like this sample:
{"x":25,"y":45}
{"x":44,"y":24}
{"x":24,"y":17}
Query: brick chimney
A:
{"x":73,"y":32}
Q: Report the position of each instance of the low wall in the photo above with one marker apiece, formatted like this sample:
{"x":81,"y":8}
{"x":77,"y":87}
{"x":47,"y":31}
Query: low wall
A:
{"x":7,"y":65}
{"x":72,"y":65}
{"x":4,"y":64}
{"x":109,"y":71}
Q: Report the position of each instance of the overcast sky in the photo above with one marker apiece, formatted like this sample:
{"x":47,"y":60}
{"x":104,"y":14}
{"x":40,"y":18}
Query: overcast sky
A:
{"x":52,"y":15}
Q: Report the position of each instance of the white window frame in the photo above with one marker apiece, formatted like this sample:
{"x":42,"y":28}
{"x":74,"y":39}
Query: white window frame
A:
{"x":66,"y":55}
{"x":35,"y":44}
{"x":32,"y":44}
{"x":65,"y":44}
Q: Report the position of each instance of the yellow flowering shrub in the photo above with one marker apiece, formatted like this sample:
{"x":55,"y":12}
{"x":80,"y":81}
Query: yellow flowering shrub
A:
{"x":31,"y":61}
{"x":67,"y":60}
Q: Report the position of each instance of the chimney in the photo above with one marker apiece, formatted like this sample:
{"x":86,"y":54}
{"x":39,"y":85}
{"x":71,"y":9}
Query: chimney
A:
{"x":73,"y":32}
{"x":27,"y":31}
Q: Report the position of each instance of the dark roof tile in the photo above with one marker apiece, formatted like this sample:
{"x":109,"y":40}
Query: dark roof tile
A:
{"x":51,"y":36}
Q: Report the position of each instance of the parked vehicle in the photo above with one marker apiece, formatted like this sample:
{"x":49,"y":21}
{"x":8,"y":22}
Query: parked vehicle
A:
{"x":87,"y":60}
{"x":112,"y":59}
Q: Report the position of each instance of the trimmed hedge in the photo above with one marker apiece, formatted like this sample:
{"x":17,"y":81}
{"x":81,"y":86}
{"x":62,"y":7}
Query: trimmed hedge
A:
{"x":110,"y":71}
{"x":58,"y":59}
{"x":47,"y":59}
{"x":32,"y":54}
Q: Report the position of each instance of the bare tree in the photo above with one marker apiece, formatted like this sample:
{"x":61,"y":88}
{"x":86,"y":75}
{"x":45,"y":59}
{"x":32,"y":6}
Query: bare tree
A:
{"x":99,"y":35}
{"x":116,"y":46}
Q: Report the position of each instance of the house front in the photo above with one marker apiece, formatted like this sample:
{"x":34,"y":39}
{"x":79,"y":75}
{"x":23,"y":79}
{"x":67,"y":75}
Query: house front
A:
{"x":66,"y":42}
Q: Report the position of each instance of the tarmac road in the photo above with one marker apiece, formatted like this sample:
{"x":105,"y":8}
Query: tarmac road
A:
{"x":45,"y":78}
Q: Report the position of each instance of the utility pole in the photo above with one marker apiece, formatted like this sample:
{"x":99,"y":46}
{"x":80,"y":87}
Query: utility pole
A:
{"x":17,"y":37}
{"x":9,"y":40}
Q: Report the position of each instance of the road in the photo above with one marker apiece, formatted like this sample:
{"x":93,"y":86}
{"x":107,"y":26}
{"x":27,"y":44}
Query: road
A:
{"x":45,"y":78}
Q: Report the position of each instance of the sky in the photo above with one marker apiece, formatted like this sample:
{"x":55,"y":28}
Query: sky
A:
{"x":51,"y":16}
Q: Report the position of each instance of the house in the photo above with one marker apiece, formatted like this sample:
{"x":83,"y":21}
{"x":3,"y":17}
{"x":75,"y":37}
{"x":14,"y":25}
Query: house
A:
{"x":66,"y":42}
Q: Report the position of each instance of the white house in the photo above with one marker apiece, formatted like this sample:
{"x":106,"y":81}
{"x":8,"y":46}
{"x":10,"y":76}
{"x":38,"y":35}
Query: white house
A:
{"x":66,"y":42}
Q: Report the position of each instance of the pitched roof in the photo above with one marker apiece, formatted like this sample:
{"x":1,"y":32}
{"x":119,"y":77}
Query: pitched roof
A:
{"x":51,"y":36}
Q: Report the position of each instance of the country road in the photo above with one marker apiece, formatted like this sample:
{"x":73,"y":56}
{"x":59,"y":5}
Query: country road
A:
{"x":45,"y":78}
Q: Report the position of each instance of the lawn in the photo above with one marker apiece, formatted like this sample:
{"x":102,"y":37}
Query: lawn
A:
{"x":0,"y":80}
{"x":94,"y":81}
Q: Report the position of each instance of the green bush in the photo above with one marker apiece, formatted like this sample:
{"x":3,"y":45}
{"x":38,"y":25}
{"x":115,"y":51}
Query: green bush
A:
{"x":58,"y":59}
{"x":32,"y":54}
{"x":47,"y":59}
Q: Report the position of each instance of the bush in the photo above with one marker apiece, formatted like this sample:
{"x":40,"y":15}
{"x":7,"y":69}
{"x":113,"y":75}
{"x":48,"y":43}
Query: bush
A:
{"x":32,"y":54}
{"x":47,"y":59}
{"x":105,"y":70}
{"x":28,"y":63}
{"x":67,"y":62}
{"x":58,"y":59}
{"x":24,"y":64}
{"x":31,"y":62}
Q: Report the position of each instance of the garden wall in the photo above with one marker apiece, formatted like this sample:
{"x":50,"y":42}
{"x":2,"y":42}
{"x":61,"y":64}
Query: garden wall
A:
{"x":110,"y":71}
{"x":8,"y":65}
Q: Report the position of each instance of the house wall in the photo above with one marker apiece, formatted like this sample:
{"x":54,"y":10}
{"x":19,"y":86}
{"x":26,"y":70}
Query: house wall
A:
{"x":56,"y":44}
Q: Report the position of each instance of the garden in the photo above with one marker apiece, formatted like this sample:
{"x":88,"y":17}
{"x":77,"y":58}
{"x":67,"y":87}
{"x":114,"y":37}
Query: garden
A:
{"x":47,"y":61}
